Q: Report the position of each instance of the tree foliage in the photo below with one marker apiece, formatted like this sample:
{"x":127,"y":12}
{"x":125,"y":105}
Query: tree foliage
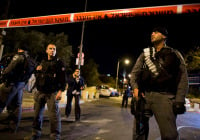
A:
{"x":90,"y":73}
{"x":37,"y":42}
{"x":193,"y":59}
{"x":107,"y":80}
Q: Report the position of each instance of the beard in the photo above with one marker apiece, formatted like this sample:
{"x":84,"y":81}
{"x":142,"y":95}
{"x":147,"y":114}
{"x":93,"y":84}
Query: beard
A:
{"x":158,"y":41}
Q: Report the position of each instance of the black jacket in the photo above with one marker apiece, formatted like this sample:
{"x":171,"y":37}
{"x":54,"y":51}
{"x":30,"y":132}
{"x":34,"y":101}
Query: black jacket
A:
{"x":52,"y":77}
{"x":14,"y":72}
{"x":74,"y":85}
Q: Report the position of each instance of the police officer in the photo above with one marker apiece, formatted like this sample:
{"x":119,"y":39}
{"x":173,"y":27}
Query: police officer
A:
{"x":50,"y":82}
{"x":75,"y":84}
{"x":127,"y":93}
{"x":11,"y":90}
{"x":161,"y":73}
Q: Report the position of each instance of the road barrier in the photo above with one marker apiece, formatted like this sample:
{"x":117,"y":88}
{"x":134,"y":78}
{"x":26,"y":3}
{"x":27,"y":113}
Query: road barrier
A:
{"x":196,"y":107}
{"x":89,"y":93}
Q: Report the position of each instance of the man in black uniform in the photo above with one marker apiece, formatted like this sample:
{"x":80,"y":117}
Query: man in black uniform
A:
{"x":50,"y":82}
{"x":14,"y":79}
{"x":127,"y":94}
{"x":161,"y":73}
{"x":75,"y":84}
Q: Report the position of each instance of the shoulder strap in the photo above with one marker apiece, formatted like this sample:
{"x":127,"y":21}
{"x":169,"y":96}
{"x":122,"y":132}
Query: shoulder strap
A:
{"x":149,"y":58}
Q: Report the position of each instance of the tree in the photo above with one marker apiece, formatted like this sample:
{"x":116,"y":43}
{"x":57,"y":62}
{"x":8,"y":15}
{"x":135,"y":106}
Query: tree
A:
{"x":193,"y":59}
{"x":37,"y":42}
{"x":107,"y":80}
{"x":90,"y":73}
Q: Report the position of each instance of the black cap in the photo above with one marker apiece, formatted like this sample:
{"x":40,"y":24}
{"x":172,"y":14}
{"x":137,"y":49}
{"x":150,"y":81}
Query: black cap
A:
{"x":162,"y":30}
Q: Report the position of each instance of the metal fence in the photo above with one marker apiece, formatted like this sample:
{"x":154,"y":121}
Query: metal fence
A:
{"x":194,"y":79}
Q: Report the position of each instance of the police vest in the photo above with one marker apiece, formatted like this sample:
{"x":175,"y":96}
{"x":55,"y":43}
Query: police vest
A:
{"x":167,"y":70}
{"x":47,"y":78}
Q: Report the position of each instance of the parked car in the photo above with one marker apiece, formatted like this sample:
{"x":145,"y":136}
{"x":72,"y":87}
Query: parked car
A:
{"x":106,"y":91}
{"x":113,"y":92}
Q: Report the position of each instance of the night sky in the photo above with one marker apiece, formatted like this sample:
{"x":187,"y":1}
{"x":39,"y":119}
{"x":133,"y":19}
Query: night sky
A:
{"x":106,"y":41}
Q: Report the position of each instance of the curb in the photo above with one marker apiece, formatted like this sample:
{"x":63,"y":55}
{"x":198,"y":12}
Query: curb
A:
{"x":31,"y":109}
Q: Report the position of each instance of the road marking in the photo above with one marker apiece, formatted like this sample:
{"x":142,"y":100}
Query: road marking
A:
{"x":102,"y":131}
{"x":180,"y":127}
{"x":97,"y":121}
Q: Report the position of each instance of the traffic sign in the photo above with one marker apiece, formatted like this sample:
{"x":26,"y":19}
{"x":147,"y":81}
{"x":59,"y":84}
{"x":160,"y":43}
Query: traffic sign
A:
{"x":81,"y":63}
{"x":82,"y":55}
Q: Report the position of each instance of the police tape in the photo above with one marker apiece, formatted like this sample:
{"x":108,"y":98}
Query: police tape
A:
{"x":100,"y":15}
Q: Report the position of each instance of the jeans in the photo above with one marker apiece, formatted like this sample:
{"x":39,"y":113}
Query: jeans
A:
{"x":11,"y":97}
{"x":53,"y":112}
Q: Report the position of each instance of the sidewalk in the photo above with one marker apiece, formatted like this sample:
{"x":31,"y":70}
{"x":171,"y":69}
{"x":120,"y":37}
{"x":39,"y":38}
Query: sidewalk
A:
{"x":28,"y":101}
{"x":88,"y":94}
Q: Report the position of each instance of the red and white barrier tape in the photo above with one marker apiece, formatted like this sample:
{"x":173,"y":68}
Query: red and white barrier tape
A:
{"x":99,"y":15}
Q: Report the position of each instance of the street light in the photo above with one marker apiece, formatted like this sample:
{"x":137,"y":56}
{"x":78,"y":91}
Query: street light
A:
{"x":126,"y":61}
{"x":81,"y":45}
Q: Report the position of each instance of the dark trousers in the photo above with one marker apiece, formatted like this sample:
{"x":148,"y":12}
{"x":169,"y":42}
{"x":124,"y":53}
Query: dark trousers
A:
{"x":11,"y":97}
{"x":140,"y":128}
{"x":140,"y":122}
{"x":68,"y":107}
{"x":125,"y":101}
{"x":161,"y":105}
{"x":53,"y":112}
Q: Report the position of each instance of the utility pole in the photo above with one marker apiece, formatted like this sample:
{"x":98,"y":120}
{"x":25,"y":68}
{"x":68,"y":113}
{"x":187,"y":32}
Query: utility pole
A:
{"x":82,"y":37}
{"x":116,"y":82}
{"x":4,"y":9}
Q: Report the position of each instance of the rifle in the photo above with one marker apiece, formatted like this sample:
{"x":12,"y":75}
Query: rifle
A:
{"x":141,"y":125}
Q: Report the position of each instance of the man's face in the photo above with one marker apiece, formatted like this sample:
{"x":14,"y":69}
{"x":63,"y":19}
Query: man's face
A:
{"x":157,"y":37}
{"x":51,"y":50}
{"x":77,"y":72}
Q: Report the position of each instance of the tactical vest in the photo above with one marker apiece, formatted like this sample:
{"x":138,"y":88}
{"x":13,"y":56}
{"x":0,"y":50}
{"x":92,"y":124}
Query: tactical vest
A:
{"x":47,"y":78}
{"x":163,"y":78}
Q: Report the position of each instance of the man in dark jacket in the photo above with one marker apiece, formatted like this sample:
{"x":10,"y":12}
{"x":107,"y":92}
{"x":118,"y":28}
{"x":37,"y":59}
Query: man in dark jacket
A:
{"x":126,"y":95}
{"x":50,"y":82}
{"x":160,"y":74}
{"x":14,"y":79}
{"x":75,"y":84}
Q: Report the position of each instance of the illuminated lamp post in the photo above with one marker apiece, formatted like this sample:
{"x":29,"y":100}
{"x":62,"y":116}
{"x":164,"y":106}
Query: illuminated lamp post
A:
{"x":126,"y":61}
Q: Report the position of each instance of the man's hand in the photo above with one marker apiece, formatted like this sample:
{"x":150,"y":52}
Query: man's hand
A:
{"x":39,"y":67}
{"x":135,"y":93}
{"x":59,"y":95}
{"x":82,"y":87}
{"x":179,"y":108}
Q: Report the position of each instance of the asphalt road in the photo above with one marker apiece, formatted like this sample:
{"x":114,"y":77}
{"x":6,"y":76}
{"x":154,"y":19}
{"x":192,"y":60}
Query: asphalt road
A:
{"x":102,"y":119}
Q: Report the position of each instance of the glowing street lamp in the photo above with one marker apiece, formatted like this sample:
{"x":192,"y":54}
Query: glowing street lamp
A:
{"x":126,"y":61}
